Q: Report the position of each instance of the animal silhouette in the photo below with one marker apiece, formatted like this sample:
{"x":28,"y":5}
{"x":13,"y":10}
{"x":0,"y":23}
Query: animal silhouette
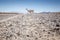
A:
{"x":30,"y":11}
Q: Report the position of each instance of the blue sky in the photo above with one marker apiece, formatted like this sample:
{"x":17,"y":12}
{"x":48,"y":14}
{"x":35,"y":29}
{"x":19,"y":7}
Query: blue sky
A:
{"x":37,"y":5}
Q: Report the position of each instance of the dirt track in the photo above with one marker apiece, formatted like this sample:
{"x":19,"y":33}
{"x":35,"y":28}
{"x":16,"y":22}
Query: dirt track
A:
{"x":6,"y":15}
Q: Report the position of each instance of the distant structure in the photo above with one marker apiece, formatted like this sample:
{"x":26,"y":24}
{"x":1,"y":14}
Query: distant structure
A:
{"x":30,"y":11}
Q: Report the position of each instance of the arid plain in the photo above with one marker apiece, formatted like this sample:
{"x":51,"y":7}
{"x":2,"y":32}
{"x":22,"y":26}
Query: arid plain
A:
{"x":35,"y":26}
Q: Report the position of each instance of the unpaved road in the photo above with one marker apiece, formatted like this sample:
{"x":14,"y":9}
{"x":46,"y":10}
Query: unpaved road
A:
{"x":6,"y":15}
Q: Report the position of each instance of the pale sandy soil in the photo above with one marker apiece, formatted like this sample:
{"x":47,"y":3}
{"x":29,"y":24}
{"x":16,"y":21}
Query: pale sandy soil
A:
{"x":6,"y":15}
{"x":31,"y":27}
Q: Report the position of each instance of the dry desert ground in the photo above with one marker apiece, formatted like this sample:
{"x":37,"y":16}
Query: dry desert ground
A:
{"x":37,"y":26}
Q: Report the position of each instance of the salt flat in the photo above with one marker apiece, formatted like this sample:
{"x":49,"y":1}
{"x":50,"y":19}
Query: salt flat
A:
{"x":31,"y":27}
